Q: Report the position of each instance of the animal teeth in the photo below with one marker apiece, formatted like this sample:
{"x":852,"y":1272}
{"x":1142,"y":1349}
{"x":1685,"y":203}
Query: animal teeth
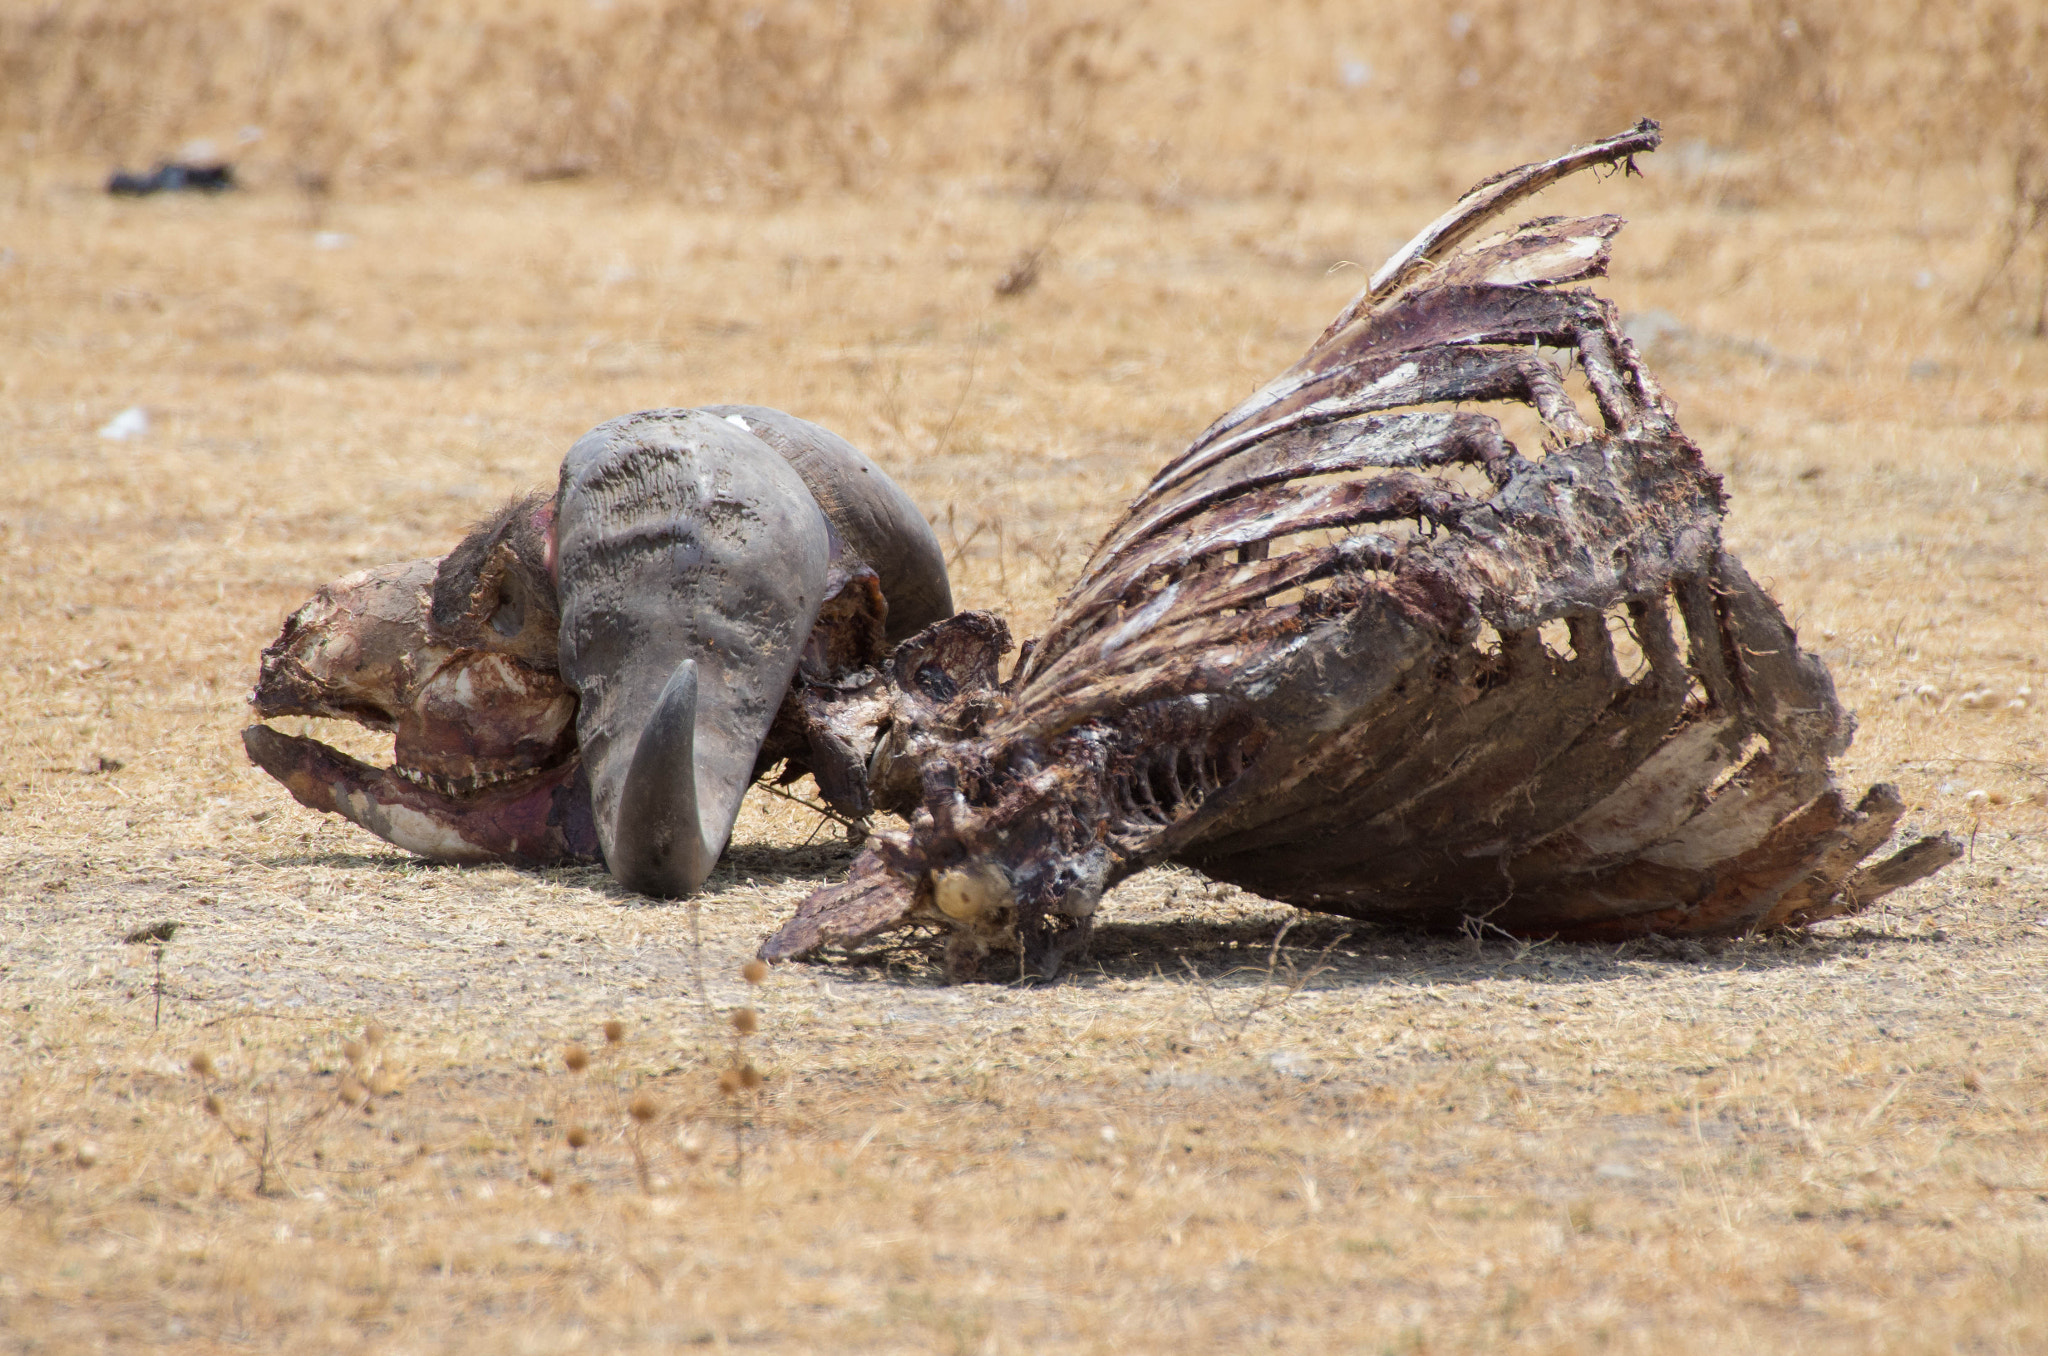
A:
{"x":447,"y":785}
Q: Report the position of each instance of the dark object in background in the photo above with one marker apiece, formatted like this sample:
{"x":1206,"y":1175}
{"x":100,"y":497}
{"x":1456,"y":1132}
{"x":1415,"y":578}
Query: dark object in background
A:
{"x":172,"y":177}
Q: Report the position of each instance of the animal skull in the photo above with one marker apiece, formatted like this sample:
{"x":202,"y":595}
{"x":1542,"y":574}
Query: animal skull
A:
{"x":598,"y":673}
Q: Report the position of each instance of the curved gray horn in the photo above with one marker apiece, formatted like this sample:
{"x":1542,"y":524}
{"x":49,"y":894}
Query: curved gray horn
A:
{"x":869,"y":511}
{"x":692,"y":562}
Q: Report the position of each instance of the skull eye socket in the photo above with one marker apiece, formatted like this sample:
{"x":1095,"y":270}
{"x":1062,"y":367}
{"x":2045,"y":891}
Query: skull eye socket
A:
{"x":510,"y":616}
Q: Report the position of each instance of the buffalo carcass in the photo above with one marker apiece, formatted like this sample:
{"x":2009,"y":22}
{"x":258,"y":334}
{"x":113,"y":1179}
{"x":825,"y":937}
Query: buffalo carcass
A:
{"x":1353,"y":649}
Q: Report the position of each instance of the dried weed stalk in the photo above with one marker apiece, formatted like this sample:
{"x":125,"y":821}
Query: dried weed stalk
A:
{"x":18,"y":1168}
{"x":2021,"y":265}
{"x":740,"y":1082}
{"x":279,"y":1124}
{"x":157,"y":936}
{"x":1281,"y":980}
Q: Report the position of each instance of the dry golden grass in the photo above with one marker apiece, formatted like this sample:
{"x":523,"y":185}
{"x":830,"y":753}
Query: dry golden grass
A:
{"x":1205,"y":1141}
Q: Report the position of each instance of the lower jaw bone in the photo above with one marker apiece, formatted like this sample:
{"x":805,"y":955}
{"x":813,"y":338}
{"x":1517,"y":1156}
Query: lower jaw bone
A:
{"x":544,"y":823}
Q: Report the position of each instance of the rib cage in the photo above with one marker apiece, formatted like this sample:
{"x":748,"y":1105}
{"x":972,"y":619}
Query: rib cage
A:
{"x":1264,"y":672}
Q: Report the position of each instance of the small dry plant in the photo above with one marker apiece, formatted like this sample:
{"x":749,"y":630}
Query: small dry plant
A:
{"x":2021,"y":265}
{"x":266,"y":1119}
{"x":157,"y":936}
{"x":601,"y":1093}
{"x":1281,"y":980}
{"x":740,"y":1082}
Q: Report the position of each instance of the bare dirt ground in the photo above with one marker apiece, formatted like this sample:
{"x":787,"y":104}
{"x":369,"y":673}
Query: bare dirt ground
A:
{"x":1226,"y":1132}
